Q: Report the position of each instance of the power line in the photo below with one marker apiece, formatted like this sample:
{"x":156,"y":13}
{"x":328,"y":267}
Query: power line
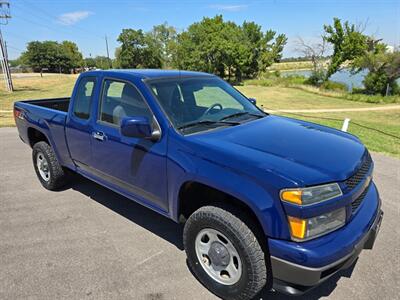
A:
{"x":15,"y":48}
{"x":17,"y":36}
{"x":65,"y":30}
{"x":55,"y":18}
{"x":43,"y":25}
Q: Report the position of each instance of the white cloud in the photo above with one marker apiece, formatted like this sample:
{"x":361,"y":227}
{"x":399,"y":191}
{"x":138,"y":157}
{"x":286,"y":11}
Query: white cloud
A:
{"x":227,"y":7}
{"x":73,"y":17}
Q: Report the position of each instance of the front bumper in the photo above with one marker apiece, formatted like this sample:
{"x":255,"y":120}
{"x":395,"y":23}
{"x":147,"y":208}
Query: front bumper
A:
{"x":294,"y":279}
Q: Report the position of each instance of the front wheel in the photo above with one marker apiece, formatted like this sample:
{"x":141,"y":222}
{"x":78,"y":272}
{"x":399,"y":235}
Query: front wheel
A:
{"x":224,"y":253}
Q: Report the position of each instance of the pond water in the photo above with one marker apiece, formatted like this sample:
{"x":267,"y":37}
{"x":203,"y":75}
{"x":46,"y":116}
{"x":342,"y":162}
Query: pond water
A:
{"x":343,"y":76}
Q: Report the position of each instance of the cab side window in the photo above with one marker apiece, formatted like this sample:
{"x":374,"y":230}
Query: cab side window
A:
{"x":83,"y":98}
{"x":119,"y":100}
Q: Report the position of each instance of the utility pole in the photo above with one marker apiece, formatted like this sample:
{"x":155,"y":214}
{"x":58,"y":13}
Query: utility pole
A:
{"x":108,"y":54}
{"x":5,"y":15}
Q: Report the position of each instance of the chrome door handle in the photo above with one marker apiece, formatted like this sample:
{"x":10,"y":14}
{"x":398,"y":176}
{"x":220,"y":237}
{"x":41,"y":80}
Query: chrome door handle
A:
{"x":99,"y":135}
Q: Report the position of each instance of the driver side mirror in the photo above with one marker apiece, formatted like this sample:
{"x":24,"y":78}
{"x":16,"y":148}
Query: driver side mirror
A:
{"x":253,"y":100}
{"x":138,"y":127}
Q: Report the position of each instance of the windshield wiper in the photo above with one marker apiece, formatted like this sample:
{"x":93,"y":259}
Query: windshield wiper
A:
{"x":207,"y":122}
{"x":242,"y":113}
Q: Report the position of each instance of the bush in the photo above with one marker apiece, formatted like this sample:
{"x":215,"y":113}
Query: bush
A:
{"x":371,"y":98}
{"x":316,"y":78}
{"x":395,"y":89}
{"x":357,"y":90}
{"x":295,"y":79}
{"x":376,"y":83}
{"x":274,"y":79}
{"x":334,"y":86}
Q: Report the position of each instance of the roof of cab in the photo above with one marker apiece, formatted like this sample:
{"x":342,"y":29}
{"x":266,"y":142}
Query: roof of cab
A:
{"x":154,"y":73}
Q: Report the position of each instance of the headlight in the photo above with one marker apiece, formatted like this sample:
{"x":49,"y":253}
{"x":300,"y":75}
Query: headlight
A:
{"x":311,"y":195}
{"x":305,"y":229}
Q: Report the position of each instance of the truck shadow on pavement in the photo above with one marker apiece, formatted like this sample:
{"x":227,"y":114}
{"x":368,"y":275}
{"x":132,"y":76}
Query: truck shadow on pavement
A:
{"x":138,"y":214}
{"x":172,"y":232}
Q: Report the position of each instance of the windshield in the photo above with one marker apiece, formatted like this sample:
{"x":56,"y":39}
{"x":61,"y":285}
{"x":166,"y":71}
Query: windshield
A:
{"x":202,"y":103}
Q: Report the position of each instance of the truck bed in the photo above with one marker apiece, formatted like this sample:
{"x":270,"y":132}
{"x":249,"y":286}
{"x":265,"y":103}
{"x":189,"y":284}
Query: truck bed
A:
{"x":47,"y":116}
{"x":53,"y":103}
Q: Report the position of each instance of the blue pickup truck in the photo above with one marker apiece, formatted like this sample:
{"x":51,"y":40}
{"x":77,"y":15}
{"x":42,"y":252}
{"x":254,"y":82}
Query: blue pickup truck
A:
{"x":267,"y":202}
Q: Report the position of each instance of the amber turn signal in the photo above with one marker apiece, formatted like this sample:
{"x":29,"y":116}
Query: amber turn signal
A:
{"x":297,"y":227}
{"x":293,"y":196}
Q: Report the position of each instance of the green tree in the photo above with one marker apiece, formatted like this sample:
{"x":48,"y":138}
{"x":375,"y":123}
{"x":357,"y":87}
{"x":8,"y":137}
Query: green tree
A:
{"x":348,"y":43}
{"x":15,"y":62}
{"x":74,"y":58}
{"x":89,"y":62}
{"x":271,"y":49}
{"x":224,"y":48}
{"x":138,"y":50}
{"x":42,"y":55}
{"x":99,"y":62}
{"x":200,"y":48}
{"x":165,"y":37}
{"x":383,"y":68}
{"x":116,"y":62}
{"x":52,"y":56}
{"x":252,"y":38}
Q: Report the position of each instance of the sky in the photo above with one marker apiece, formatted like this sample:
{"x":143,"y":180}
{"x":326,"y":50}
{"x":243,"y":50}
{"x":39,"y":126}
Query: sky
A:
{"x":87,"y":22}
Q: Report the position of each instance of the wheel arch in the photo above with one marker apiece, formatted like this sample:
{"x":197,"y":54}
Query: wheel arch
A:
{"x":194,"y":194}
{"x":35,"y":136}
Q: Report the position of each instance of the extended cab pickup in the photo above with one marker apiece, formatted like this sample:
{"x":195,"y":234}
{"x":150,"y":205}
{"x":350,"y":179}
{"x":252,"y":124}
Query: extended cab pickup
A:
{"x":267,"y":201}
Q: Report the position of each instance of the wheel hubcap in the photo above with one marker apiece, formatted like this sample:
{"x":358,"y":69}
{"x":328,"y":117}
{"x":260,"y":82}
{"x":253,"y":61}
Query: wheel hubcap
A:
{"x":219,"y":254}
{"x":218,"y":257}
{"x":43,"y":166}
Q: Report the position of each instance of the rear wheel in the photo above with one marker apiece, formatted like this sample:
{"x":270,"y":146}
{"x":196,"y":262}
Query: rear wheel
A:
{"x":224,"y":253}
{"x":49,"y":171}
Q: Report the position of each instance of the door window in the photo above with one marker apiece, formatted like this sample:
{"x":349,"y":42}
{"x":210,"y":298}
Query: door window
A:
{"x":83,"y":98}
{"x":119,"y":100}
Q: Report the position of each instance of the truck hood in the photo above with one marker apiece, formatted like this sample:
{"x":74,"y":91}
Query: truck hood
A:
{"x":303,"y":152}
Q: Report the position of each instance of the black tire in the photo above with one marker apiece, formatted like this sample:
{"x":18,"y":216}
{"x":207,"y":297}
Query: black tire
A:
{"x":58,"y":177}
{"x":254,"y":269}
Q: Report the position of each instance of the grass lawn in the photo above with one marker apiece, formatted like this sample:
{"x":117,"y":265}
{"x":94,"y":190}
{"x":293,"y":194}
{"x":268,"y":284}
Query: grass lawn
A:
{"x":33,"y":88}
{"x":276,"y":98}
{"x":292,"y":65}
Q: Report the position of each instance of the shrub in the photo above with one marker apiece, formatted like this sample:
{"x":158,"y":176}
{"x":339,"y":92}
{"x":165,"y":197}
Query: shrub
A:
{"x":334,"y":86}
{"x":316,"y":78}
{"x":371,"y":98}
{"x":271,"y":79}
{"x":375,"y":83}
{"x":395,"y":89}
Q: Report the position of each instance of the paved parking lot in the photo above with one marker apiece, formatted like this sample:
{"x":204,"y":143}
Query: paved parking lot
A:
{"x":88,"y":242}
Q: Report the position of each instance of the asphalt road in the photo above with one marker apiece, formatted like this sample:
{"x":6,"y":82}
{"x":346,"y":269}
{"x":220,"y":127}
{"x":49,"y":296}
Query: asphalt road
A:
{"x":88,"y":242}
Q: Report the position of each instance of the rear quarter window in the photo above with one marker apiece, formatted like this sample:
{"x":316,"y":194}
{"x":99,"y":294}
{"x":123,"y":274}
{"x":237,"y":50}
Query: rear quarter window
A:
{"x":83,"y":98}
